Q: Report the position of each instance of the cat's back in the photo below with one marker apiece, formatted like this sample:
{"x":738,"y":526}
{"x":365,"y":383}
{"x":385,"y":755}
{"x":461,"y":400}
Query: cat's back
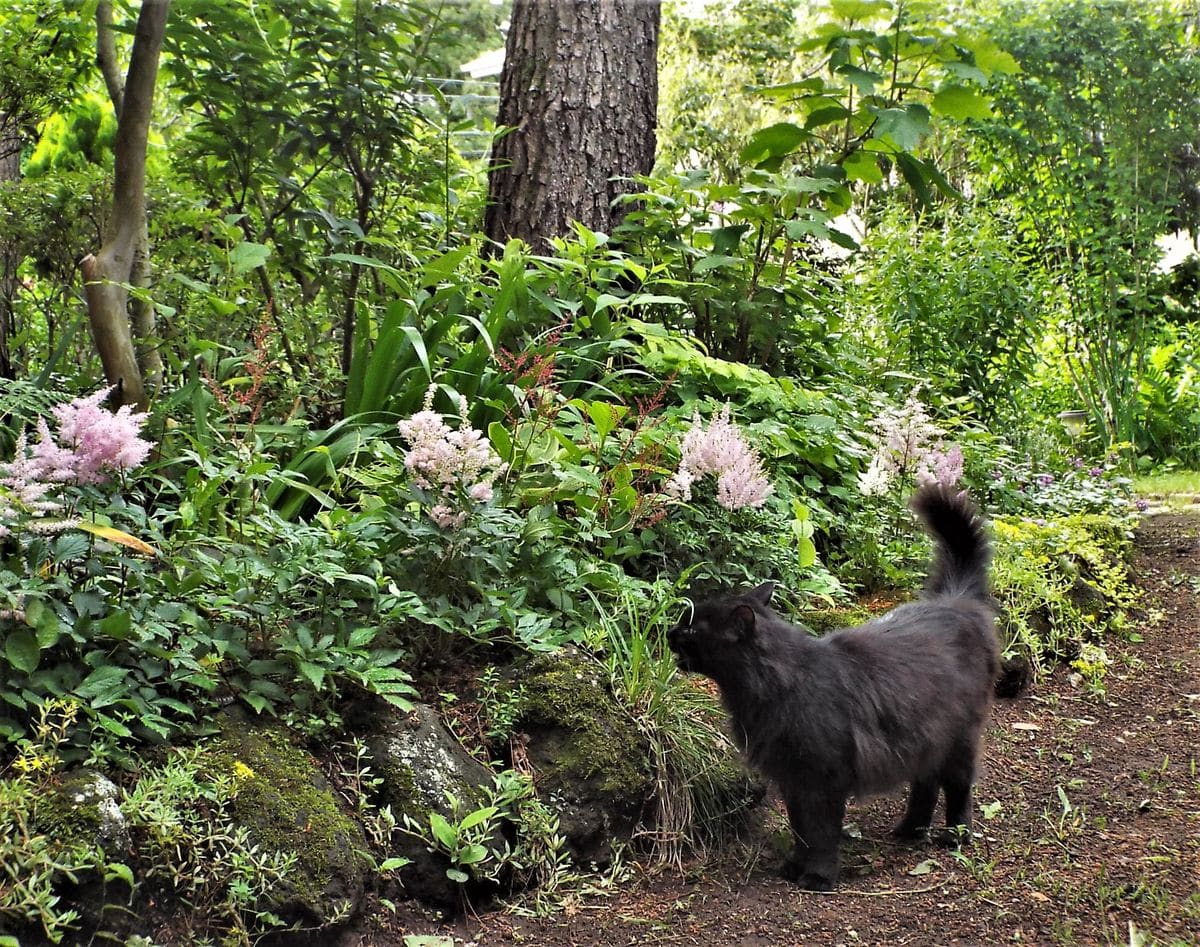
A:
{"x":930,"y":632}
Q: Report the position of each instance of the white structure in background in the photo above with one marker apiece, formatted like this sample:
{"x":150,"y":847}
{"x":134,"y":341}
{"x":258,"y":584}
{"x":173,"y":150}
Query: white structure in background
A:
{"x":485,"y":65}
{"x":1175,"y":248}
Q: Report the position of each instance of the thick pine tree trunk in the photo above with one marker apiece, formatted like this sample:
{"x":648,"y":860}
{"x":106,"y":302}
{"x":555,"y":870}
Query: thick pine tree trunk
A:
{"x":579,"y":91}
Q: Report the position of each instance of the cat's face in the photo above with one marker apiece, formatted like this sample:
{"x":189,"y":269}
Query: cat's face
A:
{"x":709,"y":635}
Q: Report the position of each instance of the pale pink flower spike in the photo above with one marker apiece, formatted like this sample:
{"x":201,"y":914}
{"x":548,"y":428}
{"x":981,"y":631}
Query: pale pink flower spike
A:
{"x":720,"y":450}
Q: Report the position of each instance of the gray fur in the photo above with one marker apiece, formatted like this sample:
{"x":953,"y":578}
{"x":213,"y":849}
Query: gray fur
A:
{"x":901,"y":699}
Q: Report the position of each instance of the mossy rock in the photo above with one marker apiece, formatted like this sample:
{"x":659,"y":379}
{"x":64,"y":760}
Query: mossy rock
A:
{"x":81,"y":821}
{"x":423,"y":767}
{"x":85,"y":807}
{"x":592,"y":762}
{"x":287,"y":805}
{"x":831,"y":619}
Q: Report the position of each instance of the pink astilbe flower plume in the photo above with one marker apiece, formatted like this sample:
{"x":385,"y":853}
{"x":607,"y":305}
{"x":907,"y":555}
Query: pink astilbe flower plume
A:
{"x":457,"y":464}
{"x":720,"y":450}
{"x":93,"y":443}
{"x":942,"y":467}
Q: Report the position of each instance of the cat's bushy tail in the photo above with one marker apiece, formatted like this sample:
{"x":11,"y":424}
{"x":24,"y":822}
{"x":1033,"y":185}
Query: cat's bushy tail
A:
{"x":960,"y":566}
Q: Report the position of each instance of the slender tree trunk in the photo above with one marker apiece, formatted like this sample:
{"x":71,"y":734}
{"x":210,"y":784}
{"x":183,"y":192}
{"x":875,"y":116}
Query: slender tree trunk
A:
{"x":10,"y":172}
{"x":579,"y":91}
{"x":141,"y":311}
{"x":365,"y":195}
{"x":142,"y":319}
{"x":106,"y":54}
{"x":108,"y":270}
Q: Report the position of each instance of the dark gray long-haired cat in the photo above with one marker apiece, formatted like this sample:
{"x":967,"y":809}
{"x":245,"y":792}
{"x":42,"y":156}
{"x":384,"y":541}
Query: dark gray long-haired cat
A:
{"x":900,"y":699}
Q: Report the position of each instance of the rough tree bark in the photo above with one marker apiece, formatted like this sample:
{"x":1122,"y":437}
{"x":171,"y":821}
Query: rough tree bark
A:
{"x":579,"y":91}
{"x":107,"y":272}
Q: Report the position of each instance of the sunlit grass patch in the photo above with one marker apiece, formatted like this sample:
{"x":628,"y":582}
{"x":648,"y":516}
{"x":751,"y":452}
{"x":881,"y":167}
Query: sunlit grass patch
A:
{"x":1168,"y":484}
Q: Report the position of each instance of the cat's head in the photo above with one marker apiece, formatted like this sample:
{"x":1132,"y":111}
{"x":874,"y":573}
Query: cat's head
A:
{"x":711,"y":634}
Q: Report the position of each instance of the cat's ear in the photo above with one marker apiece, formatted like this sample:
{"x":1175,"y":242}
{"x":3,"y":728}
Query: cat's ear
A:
{"x":763,"y":593}
{"x":742,"y":620}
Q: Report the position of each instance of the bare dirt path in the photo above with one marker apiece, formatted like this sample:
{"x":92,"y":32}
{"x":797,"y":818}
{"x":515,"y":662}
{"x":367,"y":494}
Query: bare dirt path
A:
{"x":1091,"y":834}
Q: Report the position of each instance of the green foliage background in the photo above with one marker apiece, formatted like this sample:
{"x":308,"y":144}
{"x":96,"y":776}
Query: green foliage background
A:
{"x":852,"y":203}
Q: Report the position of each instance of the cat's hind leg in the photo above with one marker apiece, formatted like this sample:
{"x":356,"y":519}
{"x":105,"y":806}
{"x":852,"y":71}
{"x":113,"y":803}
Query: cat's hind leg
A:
{"x":922,"y":799}
{"x":958,"y":776}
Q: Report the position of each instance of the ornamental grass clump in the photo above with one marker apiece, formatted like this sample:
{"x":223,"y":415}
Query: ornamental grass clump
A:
{"x":720,"y":450}
{"x":456,"y":467}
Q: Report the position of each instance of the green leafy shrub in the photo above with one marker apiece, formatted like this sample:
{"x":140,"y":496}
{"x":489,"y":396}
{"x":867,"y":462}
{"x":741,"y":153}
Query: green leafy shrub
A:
{"x":155,"y":624}
{"x":35,"y":860}
{"x":965,"y":323}
{"x":182,"y":841}
{"x":1076,"y":486}
{"x":1062,"y":583}
{"x":1169,"y":396}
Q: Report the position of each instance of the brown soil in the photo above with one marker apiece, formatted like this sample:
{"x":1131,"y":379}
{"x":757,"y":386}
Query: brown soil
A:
{"x":1092,"y":834}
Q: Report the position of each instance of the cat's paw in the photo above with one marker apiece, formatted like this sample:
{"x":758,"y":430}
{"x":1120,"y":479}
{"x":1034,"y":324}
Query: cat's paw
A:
{"x":910,"y":833}
{"x":791,"y":870}
{"x":812,"y":882}
{"x":800,"y":876}
{"x":953,"y":836}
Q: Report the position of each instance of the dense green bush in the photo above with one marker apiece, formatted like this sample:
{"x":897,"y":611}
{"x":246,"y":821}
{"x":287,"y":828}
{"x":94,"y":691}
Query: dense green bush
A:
{"x":389,"y":456}
{"x":953,"y":303}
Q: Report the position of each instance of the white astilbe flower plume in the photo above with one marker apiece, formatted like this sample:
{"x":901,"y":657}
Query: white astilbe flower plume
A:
{"x":458,"y":465}
{"x":909,"y":446}
{"x":720,"y":450}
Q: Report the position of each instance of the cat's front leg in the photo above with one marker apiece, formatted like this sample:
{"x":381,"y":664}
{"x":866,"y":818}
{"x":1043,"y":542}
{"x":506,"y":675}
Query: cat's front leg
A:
{"x":816,"y":820}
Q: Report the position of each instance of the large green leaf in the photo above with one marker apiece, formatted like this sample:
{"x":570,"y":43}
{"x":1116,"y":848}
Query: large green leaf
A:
{"x":991,"y":58}
{"x":103,"y":686}
{"x":248,"y":256}
{"x":318,"y":461}
{"x":961,"y":102}
{"x":863,"y":166}
{"x":864,"y":80}
{"x":479,"y":816}
{"x":715,"y":261}
{"x":774,"y":141}
{"x":905,"y":127}
{"x":441,"y":268}
{"x":858,"y":9}
{"x":22,"y":650}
